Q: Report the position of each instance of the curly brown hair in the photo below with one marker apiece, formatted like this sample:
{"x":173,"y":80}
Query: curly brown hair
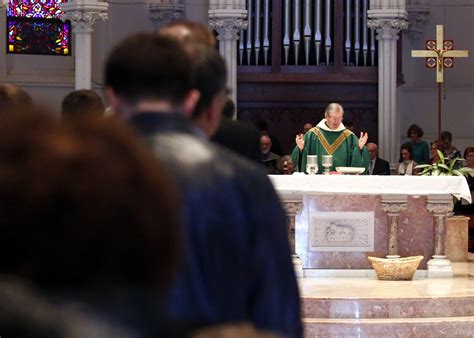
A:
{"x":84,"y":203}
{"x":416,"y":129}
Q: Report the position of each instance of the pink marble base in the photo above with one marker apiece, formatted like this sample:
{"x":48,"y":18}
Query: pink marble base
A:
{"x":415,"y":231}
{"x":366,"y":307}
{"x":454,"y":327}
{"x":372,"y":308}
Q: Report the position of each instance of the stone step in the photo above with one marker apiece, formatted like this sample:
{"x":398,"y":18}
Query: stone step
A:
{"x":377,"y":308}
{"x":390,"y":327}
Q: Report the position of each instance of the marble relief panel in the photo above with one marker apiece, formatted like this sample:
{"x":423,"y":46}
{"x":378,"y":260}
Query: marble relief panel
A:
{"x":341,"y":231}
{"x":415,"y":232}
{"x":335,"y":258}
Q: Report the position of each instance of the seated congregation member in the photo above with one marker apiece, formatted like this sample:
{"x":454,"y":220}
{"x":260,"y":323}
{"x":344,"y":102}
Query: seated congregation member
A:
{"x":269,"y":159}
{"x":377,"y":165}
{"x":330,"y":137}
{"x":469,"y":158}
{"x":237,"y":265}
{"x":307,"y":126}
{"x":435,"y":146}
{"x":407,"y":164}
{"x":420,"y":148}
{"x":449,"y":150}
{"x":89,"y":230}
{"x":285,"y":165}
{"x":262,"y":126}
{"x":14,"y":98}
{"x":468,"y":209}
{"x":82,"y":102}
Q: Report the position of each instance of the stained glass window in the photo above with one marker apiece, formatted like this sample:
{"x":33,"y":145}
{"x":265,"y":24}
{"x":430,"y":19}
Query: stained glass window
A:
{"x":34,"y":27}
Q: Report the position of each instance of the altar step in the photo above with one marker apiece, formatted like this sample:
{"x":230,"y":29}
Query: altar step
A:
{"x":379,"y":308}
{"x":390,"y":327}
{"x":366,"y":307}
{"x":427,"y":317}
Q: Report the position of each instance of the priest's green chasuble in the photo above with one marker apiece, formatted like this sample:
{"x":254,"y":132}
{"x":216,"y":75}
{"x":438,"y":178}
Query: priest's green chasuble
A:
{"x":342,"y":144}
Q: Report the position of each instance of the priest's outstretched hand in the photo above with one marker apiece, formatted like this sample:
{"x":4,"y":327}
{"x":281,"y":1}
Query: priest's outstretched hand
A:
{"x":300,"y":141}
{"x":363,"y":140}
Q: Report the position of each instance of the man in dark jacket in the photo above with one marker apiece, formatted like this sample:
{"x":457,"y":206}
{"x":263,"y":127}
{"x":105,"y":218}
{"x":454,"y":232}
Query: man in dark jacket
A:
{"x":377,"y":166}
{"x":237,"y":264}
{"x":238,"y":136}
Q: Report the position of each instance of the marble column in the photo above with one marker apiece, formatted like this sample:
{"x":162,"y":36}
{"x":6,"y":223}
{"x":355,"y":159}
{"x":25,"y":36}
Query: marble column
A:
{"x":163,"y":13}
{"x":293,"y":208}
{"x":228,"y":21}
{"x":83,"y":14}
{"x":441,"y":206}
{"x":393,"y":205}
{"x":388,"y":19}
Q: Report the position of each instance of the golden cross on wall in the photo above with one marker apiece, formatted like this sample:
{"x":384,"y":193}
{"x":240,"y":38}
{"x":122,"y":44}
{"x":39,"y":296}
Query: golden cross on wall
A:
{"x":439,"y":54}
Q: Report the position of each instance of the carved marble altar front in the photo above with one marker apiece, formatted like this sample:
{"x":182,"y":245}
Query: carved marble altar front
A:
{"x":335,"y":222}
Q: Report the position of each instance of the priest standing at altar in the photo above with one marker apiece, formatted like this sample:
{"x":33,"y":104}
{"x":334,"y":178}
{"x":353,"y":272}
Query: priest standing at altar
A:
{"x":330,"y":137}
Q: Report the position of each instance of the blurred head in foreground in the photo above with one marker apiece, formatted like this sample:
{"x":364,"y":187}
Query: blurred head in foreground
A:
{"x":82,"y":102}
{"x":14,"y":98}
{"x":82,"y":204}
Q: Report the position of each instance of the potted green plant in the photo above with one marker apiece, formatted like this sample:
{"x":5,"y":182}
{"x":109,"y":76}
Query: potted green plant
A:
{"x":444,"y":167}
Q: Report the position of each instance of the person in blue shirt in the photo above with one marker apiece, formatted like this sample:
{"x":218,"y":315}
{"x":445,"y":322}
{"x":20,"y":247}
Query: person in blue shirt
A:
{"x":236,"y":265}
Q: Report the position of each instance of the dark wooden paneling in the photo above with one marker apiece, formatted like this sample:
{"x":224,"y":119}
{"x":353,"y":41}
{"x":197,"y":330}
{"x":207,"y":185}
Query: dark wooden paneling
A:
{"x":307,"y":92}
{"x":286,"y":107}
{"x":309,"y":74}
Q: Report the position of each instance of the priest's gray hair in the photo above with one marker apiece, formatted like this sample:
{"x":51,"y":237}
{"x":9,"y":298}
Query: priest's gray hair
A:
{"x":333,"y":107}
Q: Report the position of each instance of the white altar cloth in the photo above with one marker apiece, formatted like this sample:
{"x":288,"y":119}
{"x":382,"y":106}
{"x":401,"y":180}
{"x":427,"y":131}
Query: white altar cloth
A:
{"x":299,"y":184}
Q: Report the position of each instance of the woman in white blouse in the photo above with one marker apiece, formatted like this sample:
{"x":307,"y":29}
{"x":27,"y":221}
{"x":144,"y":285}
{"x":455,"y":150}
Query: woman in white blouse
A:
{"x":407,"y":164}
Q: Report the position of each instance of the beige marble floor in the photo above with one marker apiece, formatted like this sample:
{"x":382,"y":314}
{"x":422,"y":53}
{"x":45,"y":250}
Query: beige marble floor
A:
{"x":461,"y":285}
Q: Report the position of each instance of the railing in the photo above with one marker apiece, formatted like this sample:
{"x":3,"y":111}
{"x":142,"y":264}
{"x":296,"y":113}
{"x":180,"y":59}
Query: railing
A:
{"x":307,"y":33}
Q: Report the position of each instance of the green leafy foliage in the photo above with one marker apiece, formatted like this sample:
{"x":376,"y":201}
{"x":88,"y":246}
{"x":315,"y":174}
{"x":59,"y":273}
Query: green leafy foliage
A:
{"x":443,"y":167}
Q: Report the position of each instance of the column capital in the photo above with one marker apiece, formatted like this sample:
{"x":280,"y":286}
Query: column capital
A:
{"x":439,"y":209}
{"x":228,"y":22}
{"x":393,"y":204}
{"x":166,"y":12}
{"x":418,"y":17}
{"x":84,"y":14}
{"x":387,"y":28}
{"x":440,"y":205}
{"x":393,"y":208}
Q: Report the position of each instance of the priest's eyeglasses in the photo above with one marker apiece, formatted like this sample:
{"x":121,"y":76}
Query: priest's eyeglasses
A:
{"x":335,"y":118}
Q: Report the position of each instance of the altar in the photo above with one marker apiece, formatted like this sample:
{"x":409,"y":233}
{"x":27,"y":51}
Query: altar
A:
{"x":336,"y":221}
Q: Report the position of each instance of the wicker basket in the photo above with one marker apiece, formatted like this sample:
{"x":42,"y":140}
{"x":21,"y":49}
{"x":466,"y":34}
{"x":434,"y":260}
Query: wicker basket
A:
{"x":395,"y":269}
